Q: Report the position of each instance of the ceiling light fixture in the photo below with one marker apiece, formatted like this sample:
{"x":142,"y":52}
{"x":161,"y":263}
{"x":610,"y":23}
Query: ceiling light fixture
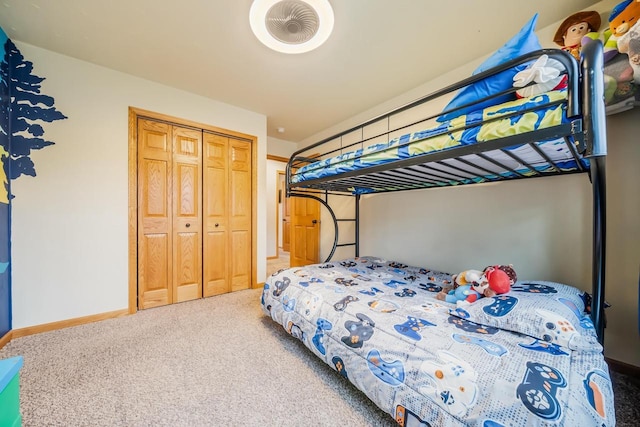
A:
{"x":291,"y":26}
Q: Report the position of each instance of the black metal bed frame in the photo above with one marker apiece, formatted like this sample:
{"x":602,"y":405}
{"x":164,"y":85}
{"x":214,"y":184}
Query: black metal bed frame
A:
{"x":584,"y":134}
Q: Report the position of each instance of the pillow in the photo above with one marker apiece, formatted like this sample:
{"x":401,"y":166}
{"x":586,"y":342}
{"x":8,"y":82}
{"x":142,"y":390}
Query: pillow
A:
{"x":550,"y":312}
{"x":522,"y":43}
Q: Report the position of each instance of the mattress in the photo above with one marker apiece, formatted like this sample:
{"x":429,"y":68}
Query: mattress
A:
{"x":525,"y":115}
{"x":528,"y":357}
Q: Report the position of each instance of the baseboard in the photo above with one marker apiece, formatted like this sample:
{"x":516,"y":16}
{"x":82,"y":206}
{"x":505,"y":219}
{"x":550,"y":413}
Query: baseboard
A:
{"x":46,"y":327}
{"x":623,"y":368}
{"x":6,"y":338}
{"x":272,"y":257}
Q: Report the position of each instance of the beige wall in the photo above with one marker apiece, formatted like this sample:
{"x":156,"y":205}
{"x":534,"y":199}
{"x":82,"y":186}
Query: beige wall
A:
{"x":623,"y":237}
{"x":70,"y":223}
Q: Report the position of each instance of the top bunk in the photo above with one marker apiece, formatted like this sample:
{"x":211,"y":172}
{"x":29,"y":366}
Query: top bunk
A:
{"x":548,"y":120}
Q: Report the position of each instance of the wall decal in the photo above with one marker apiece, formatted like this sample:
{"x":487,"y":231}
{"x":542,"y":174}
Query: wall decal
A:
{"x":27,"y":106}
{"x":5,"y":223}
{"x":22,"y":106}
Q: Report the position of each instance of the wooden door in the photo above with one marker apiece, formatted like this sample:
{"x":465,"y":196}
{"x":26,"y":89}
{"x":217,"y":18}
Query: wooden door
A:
{"x":216,"y":225}
{"x":155,"y":236}
{"x":187,"y":214}
{"x":240,"y":211}
{"x":228,"y":214}
{"x":305,"y":231}
{"x":169,"y":214}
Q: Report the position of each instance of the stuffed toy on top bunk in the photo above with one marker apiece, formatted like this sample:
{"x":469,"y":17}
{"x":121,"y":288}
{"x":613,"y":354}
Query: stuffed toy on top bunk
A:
{"x":621,"y":41}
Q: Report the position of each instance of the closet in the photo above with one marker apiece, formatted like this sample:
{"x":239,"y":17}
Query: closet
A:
{"x":194,"y":204}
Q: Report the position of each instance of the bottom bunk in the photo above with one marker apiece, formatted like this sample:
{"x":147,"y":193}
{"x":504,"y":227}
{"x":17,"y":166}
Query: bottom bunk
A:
{"x":526,"y":357}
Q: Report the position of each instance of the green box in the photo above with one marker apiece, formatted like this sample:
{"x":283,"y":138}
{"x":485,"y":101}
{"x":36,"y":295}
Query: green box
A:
{"x":10,"y":392}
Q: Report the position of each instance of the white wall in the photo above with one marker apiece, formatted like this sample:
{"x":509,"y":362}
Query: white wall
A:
{"x":280,"y":147}
{"x":70,"y":223}
{"x":542,"y":226}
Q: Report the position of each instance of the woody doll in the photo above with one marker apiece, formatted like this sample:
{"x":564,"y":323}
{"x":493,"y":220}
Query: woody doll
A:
{"x":570,"y":33}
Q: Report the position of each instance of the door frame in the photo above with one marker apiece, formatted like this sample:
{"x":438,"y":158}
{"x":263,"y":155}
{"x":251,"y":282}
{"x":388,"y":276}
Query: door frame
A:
{"x":134,"y":113}
{"x":277,"y":196}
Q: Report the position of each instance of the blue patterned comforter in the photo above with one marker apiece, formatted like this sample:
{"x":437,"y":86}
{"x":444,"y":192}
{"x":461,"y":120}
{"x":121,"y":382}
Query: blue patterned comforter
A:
{"x":473,"y":128}
{"x":529,"y":357}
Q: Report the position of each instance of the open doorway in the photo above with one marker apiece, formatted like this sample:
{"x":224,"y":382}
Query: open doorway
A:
{"x":282,"y":226}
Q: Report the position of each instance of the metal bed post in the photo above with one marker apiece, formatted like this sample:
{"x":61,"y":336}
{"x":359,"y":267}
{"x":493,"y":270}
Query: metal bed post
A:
{"x":596,"y":137}
{"x":357,"y":219}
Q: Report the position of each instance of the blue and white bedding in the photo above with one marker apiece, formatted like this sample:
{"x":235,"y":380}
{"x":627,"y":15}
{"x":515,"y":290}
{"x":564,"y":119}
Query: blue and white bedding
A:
{"x":529,"y":357}
{"x":472,"y":128}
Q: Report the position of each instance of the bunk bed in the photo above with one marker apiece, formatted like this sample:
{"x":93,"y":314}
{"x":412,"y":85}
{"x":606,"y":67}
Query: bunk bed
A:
{"x":532,"y":356}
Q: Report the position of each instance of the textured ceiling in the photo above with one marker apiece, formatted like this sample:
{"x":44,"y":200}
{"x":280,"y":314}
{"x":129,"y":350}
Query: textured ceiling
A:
{"x":378,"y":50}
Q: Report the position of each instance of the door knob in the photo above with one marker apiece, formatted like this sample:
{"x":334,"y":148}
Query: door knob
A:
{"x":216,"y":224}
{"x":188,"y":225}
{"x":315,"y":221}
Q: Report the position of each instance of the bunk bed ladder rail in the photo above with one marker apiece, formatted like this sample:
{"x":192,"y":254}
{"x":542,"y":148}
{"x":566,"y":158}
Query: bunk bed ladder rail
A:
{"x":325,"y":202}
{"x":596,"y":145}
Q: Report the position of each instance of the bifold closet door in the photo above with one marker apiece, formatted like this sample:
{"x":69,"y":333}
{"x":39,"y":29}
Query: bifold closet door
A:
{"x":187,"y":214}
{"x":169,"y":214}
{"x":227,"y":214}
{"x":215,"y":225}
{"x":240,"y":214}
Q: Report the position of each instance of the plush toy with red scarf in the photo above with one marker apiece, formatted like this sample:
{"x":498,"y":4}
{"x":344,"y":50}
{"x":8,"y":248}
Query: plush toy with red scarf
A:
{"x":497,"y":279}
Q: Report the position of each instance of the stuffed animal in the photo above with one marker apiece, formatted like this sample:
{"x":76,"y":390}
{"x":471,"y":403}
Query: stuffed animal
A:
{"x":571,"y":32}
{"x":629,"y":43}
{"x":508,"y":269}
{"x":543,"y":75}
{"x":619,"y":69}
{"x":634,"y":58}
{"x":463,"y":294}
{"x":466,"y":277}
{"x":471,"y":285}
{"x":498,"y":279}
{"x":463,"y":287}
{"x":622,"y":17}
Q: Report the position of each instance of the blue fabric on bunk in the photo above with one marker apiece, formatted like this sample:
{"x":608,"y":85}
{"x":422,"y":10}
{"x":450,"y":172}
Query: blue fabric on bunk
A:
{"x":529,"y":114}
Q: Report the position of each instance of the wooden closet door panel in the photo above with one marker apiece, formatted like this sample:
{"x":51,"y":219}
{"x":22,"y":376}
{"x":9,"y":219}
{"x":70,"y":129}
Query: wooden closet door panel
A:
{"x":216,"y":185}
{"x":187,"y":214}
{"x":240,"y":211}
{"x":155,"y":240}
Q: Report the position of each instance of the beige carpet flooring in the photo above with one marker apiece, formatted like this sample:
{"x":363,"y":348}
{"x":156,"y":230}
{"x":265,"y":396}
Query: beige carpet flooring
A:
{"x":212,"y":362}
{"x":275,"y":264}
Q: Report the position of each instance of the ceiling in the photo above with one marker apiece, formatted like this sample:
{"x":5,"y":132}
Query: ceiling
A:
{"x":378,"y":50}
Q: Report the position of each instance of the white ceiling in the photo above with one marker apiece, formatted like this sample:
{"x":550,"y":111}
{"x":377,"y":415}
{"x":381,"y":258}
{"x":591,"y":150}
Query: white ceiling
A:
{"x":378,"y":50}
